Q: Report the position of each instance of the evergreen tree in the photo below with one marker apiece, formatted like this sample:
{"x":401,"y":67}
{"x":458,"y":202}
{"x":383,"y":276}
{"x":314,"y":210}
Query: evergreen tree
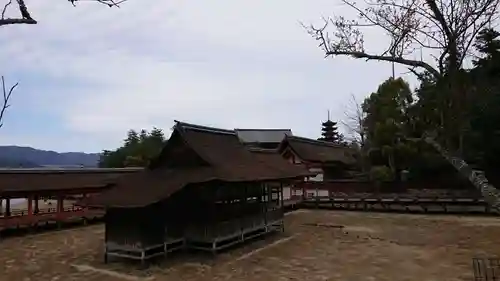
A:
{"x":386,"y":121}
{"x":137,"y":151}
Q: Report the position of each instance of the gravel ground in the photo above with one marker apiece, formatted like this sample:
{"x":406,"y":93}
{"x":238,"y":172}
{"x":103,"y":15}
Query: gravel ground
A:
{"x":369,"y":246}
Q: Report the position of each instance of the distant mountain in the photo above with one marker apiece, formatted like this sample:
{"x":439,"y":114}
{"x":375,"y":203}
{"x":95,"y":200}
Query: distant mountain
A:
{"x":28,"y":157}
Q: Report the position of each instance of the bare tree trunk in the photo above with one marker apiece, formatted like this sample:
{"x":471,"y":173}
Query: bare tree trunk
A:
{"x":488,"y":191}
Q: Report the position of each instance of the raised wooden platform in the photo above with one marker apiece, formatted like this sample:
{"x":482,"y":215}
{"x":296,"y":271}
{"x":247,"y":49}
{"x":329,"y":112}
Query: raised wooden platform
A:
{"x":226,"y":234}
{"x":143,"y":253}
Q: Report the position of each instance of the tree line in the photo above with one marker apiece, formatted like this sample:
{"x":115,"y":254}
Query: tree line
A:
{"x":137,"y":150}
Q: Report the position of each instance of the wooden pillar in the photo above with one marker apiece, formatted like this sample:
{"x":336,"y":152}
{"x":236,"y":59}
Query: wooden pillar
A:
{"x":303,"y":190}
{"x":60,"y":210}
{"x":317,"y":191}
{"x":84,"y":199}
{"x":1,"y":206}
{"x":30,"y":205}
{"x":281,"y":195}
{"x":7,"y":207}
{"x":60,"y":204}
{"x":243,"y":209}
{"x":282,"y":208}
{"x":264,"y":190}
{"x":259,"y":196}
{"x":213,"y":219}
{"x":37,"y":210}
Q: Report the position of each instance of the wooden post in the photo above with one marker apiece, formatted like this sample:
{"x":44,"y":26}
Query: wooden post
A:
{"x":30,"y":205}
{"x":281,"y":195}
{"x":303,"y":191}
{"x":7,"y":207}
{"x":84,"y":198}
{"x":60,"y":210}
{"x":60,"y":204}
{"x":243,"y":204}
{"x":85,"y":209}
{"x":265,"y":190}
{"x":317,"y":195}
{"x":282,"y":208}
{"x":106,"y":236}
{"x":37,"y":210}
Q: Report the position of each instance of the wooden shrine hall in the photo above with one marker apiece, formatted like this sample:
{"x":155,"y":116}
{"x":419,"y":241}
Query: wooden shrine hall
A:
{"x":330,"y":161}
{"x":205,"y":191}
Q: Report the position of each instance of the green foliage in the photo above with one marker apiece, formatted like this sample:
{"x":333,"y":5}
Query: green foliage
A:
{"x":386,"y":121}
{"x":394,"y":115}
{"x":483,"y":138}
{"x":381,"y":173}
{"x":137,"y":151}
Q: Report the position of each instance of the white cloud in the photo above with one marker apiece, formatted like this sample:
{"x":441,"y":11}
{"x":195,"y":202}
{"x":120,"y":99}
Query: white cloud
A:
{"x":221,"y":62}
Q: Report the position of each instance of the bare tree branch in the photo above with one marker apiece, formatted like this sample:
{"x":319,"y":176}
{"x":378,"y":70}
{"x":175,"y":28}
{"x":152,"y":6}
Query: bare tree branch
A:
{"x":5,"y":8}
{"x":446,"y":26}
{"x":26,"y":18}
{"x":6,"y":97}
{"x":400,"y":60}
{"x":355,"y":127}
{"x":354,"y":116}
{"x":110,"y":3}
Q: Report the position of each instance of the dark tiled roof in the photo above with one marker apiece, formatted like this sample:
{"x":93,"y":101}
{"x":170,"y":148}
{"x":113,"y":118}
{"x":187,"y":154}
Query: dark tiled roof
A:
{"x":232,"y":160}
{"x":318,"y":151}
{"x":225,"y":159}
{"x":149,"y":186}
{"x":272,"y":157}
{"x":262,"y":135}
{"x":17,"y":180}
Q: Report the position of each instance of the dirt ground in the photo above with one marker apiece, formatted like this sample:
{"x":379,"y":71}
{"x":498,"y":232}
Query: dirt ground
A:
{"x":370,"y":246}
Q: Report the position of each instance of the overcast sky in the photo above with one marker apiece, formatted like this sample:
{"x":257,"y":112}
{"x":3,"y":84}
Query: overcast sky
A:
{"x":88,"y":74}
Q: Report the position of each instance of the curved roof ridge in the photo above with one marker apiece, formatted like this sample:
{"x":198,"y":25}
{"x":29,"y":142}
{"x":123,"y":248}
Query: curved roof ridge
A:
{"x":313,"y":141}
{"x":195,"y":127}
{"x":264,"y":150}
{"x":268,"y":129}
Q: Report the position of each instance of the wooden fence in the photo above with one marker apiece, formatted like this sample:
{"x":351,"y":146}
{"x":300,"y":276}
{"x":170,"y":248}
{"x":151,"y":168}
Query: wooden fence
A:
{"x":401,"y":197}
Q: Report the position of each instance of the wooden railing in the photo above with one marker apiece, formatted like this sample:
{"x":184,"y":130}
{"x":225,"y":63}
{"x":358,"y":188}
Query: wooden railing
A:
{"x":24,"y":212}
{"x":309,"y":190}
{"x":22,"y":218}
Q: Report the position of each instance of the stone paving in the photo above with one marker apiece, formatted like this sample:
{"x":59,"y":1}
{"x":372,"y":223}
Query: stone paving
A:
{"x":369,"y":246}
